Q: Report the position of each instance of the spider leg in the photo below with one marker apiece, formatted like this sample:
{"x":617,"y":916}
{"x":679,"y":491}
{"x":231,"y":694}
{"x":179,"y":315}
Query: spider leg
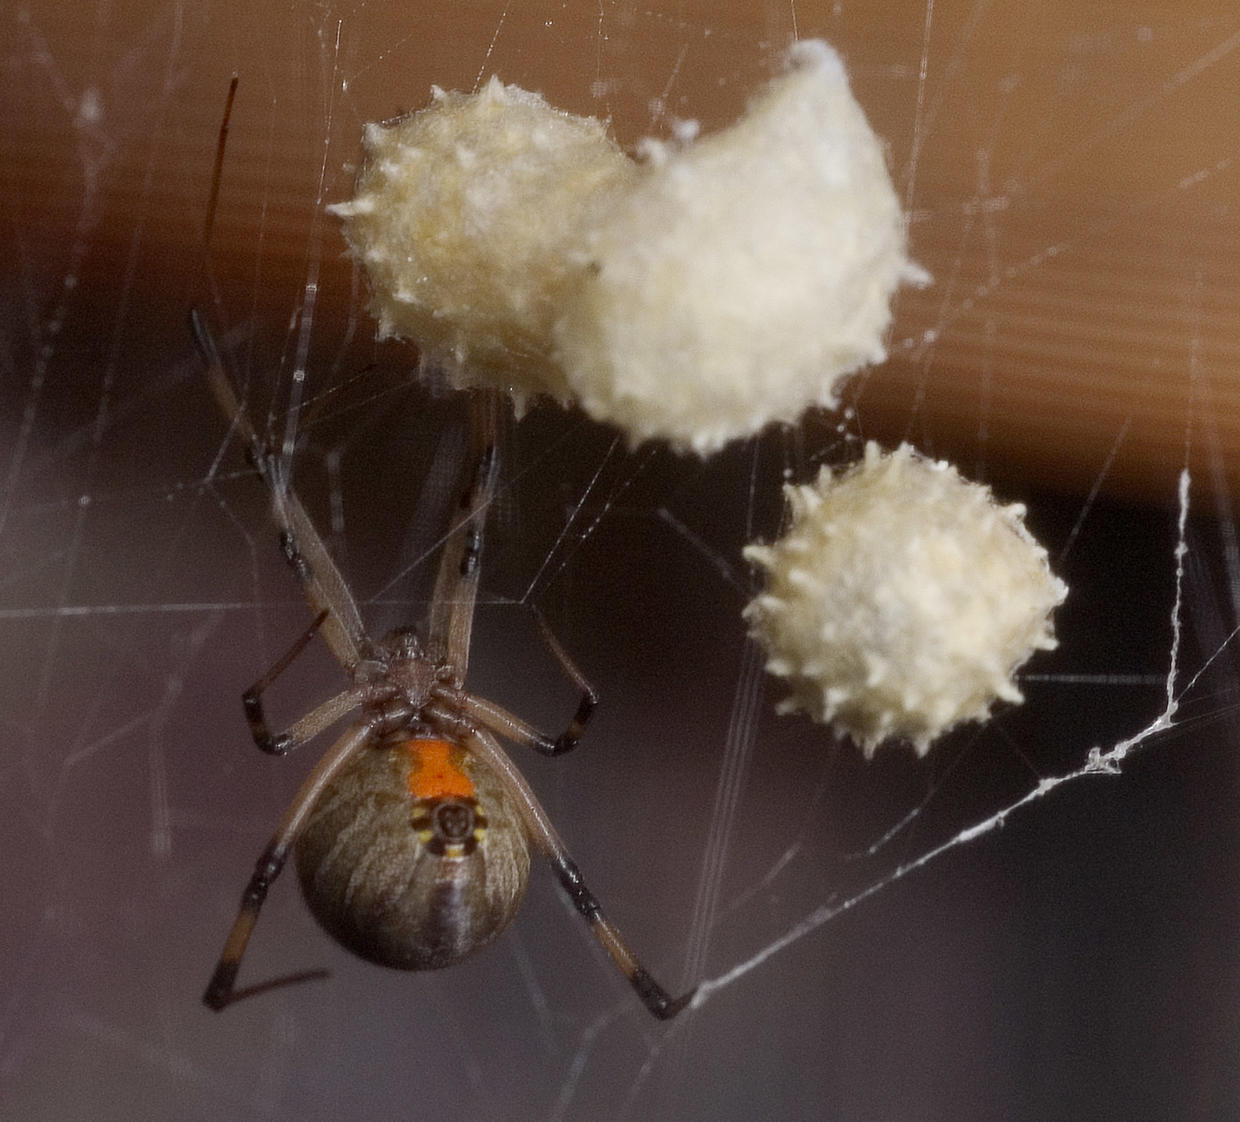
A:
{"x":567,"y":740}
{"x":657,"y":1000}
{"x":220,"y":990}
{"x":252,"y":701}
{"x":321,"y":717}
{"x":456,"y":591}
{"x":511,"y":727}
{"x":499,"y":720}
{"x":456,"y":580}
{"x":321,"y":581}
{"x":547,"y":841}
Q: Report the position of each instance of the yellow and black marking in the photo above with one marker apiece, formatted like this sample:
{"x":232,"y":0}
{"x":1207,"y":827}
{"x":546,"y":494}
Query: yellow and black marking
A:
{"x":449,"y":827}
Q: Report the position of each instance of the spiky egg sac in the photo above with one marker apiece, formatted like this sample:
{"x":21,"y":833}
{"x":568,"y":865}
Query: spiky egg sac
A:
{"x":901,"y":599}
{"x":697,"y":295}
{"x":465,"y":218}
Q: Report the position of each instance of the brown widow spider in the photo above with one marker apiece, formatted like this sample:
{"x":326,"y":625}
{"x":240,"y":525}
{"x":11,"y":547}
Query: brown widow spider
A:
{"x":412,"y":834}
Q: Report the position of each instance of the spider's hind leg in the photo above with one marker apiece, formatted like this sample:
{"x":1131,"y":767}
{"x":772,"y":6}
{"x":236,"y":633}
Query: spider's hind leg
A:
{"x":457,"y":719}
{"x":221,"y":990}
{"x":656,"y":999}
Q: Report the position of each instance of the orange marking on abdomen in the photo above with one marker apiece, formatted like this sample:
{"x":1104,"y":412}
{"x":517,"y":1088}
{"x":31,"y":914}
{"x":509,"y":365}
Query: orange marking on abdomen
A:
{"x":433,"y":774}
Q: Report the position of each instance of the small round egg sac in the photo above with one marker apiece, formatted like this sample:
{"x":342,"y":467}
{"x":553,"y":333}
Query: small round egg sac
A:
{"x":465,"y":217}
{"x":901,"y":599}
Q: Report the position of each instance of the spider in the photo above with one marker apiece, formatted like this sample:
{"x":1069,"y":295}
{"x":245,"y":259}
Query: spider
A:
{"x":412,"y":834}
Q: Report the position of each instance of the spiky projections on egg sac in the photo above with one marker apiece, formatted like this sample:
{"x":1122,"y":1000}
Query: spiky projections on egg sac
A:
{"x":694,"y":295}
{"x":901,"y":599}
{"x":466,"y":216}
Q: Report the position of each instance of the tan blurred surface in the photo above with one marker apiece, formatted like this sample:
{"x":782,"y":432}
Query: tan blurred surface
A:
{"x":1071,"y":175}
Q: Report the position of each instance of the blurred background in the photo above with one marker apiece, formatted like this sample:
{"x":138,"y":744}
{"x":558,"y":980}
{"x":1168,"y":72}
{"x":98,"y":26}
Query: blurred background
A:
{"x":1071,"y":177}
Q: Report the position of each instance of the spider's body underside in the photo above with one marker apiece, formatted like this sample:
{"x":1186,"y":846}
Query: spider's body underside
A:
{"x":414,"y":855}
{"x":412,"y":834}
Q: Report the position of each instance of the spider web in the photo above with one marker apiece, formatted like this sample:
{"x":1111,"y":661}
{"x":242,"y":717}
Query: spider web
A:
{"x":1038,"y":920}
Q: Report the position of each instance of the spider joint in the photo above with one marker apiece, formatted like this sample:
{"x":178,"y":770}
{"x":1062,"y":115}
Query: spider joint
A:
{"x":571,"y":880}
{"x":288,"y":547}
{"x":278,"y":745}
{"x":656,"y":999}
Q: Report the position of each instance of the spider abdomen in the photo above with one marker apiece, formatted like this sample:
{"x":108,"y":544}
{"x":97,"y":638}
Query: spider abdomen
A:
{"x":414,"y":856}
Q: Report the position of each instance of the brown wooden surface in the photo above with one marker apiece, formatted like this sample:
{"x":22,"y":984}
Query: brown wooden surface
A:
{"x":1071,"y":175}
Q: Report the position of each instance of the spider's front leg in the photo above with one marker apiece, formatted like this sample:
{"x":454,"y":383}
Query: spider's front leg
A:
{"x":303,"y":549}
{"x":456,"y":591}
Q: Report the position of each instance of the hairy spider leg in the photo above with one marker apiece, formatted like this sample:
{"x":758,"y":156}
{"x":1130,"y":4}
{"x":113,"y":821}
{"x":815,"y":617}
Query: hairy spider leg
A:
{"x":567,"y":740}
{"x":458,"y":592}
{"x":653,"y":996}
